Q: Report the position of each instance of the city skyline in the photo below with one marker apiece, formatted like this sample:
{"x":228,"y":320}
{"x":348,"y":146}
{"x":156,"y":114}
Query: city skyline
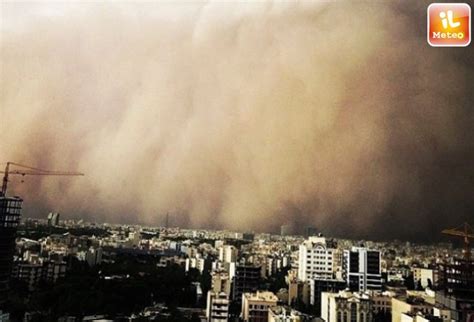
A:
{"x":240,"y":116}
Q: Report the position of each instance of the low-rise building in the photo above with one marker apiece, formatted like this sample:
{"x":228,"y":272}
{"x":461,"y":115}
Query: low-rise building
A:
{"x":411,"y":305}
{"x":286,"y":314}
{"x":346,"y":306}
{"x":255,"y":306}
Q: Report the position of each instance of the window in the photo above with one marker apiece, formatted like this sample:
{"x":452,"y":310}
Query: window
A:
{"x":353,"y":312}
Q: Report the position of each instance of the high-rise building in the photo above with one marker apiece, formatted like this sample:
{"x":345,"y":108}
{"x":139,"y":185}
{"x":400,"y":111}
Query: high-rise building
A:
{"x":310,"y":231}
{"x":217,"y":307}
{"x":248,"y":236}
{"x":456,"y":288}
{"x":53,"y":219}
{"x":10,"y":212}
{"x":286,"y":230}
{"x":362,"y":269}
{"x":94,"y":256}
{"x":228,"y":254}
{"x":255,"y":306}
{"x":345,"y":306}
{"x":319,"y":265}
{"x":317,"y":259}
{"x":245,"y":280}
{"x":30,"y":273}
{"x":198,"y":263}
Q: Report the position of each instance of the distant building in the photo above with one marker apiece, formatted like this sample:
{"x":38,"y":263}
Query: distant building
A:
{"x":255,"y":306}
{"x":245,"y":280}
{"x":286,"y":230}
{"x":345,"y":306}
{"x":218,"y":244}
{"x":195,"y":262}
{"x":310,"y":231}
{"x":362,"y":269}
{"x":10,"y":212}
{"x":228,"y":254}
{"x":34,"y":272}
{"x":248,"y":236}
{"x":30,"y":273}
{"x":217,"y":309}
{"x":53,"y":219}
{"x":53,"y":270}
{"x":94,"y":256}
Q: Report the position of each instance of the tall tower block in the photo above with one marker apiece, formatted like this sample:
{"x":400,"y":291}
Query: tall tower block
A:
{"x":10,"y":211}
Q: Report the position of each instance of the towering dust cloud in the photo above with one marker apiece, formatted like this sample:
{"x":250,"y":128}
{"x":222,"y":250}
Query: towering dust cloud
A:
{"x":242,"y":116}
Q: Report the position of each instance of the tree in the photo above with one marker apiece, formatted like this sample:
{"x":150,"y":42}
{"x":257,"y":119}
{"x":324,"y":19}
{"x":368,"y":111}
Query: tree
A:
{"x":410,"y":282}
{"x":430,"y":284}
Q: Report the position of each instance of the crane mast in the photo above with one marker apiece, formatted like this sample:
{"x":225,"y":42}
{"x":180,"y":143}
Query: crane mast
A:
{"x":466,"y":233}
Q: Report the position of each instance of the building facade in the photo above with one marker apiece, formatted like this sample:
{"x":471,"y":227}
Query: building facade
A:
{"x":10,"y":212}
{"x":217,"y":309}
{"x":317,"y":259}
{"x":245,"y":280}
{"x":255,"y":306}
{"x":345,"y":306}
{"x":53,"y":219}
{"x":362,"y":269}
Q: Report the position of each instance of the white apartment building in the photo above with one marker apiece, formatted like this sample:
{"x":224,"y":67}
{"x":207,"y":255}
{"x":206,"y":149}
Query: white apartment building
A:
{"x":228,"y":254}
{"x":424,"y":276}
{"x":195,"y":262}
{"x":317,"y":259}
{"x":217,"y":309}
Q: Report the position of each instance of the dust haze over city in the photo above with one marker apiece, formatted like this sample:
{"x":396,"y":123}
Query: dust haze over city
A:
{"x":243,"y":116}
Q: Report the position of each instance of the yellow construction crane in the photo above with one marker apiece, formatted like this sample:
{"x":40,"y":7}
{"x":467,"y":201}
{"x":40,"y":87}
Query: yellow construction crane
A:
{"x":466,"y":232}
{"x":24,"y":170}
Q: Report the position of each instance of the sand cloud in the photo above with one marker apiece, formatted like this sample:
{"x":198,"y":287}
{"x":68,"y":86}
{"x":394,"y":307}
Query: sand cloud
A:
{"x":238,"y":115}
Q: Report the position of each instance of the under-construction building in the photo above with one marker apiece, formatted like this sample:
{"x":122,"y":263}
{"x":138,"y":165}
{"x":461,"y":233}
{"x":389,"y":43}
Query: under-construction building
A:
{"x":457,"y":288}
{"x":456,"y":282}
{"x":10,"y":211}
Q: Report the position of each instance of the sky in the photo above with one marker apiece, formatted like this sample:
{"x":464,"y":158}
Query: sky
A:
{"x":239,"y":115}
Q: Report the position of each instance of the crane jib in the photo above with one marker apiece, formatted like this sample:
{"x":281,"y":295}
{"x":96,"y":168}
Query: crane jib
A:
{"x":28,"y":170}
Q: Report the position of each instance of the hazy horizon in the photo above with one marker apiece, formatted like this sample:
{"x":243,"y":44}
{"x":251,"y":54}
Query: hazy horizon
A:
{"x":244,"y":116}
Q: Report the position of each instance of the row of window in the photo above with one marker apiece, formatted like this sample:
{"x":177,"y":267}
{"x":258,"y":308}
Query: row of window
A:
{"x":343,"y":317}
{"x":322,"y":265}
